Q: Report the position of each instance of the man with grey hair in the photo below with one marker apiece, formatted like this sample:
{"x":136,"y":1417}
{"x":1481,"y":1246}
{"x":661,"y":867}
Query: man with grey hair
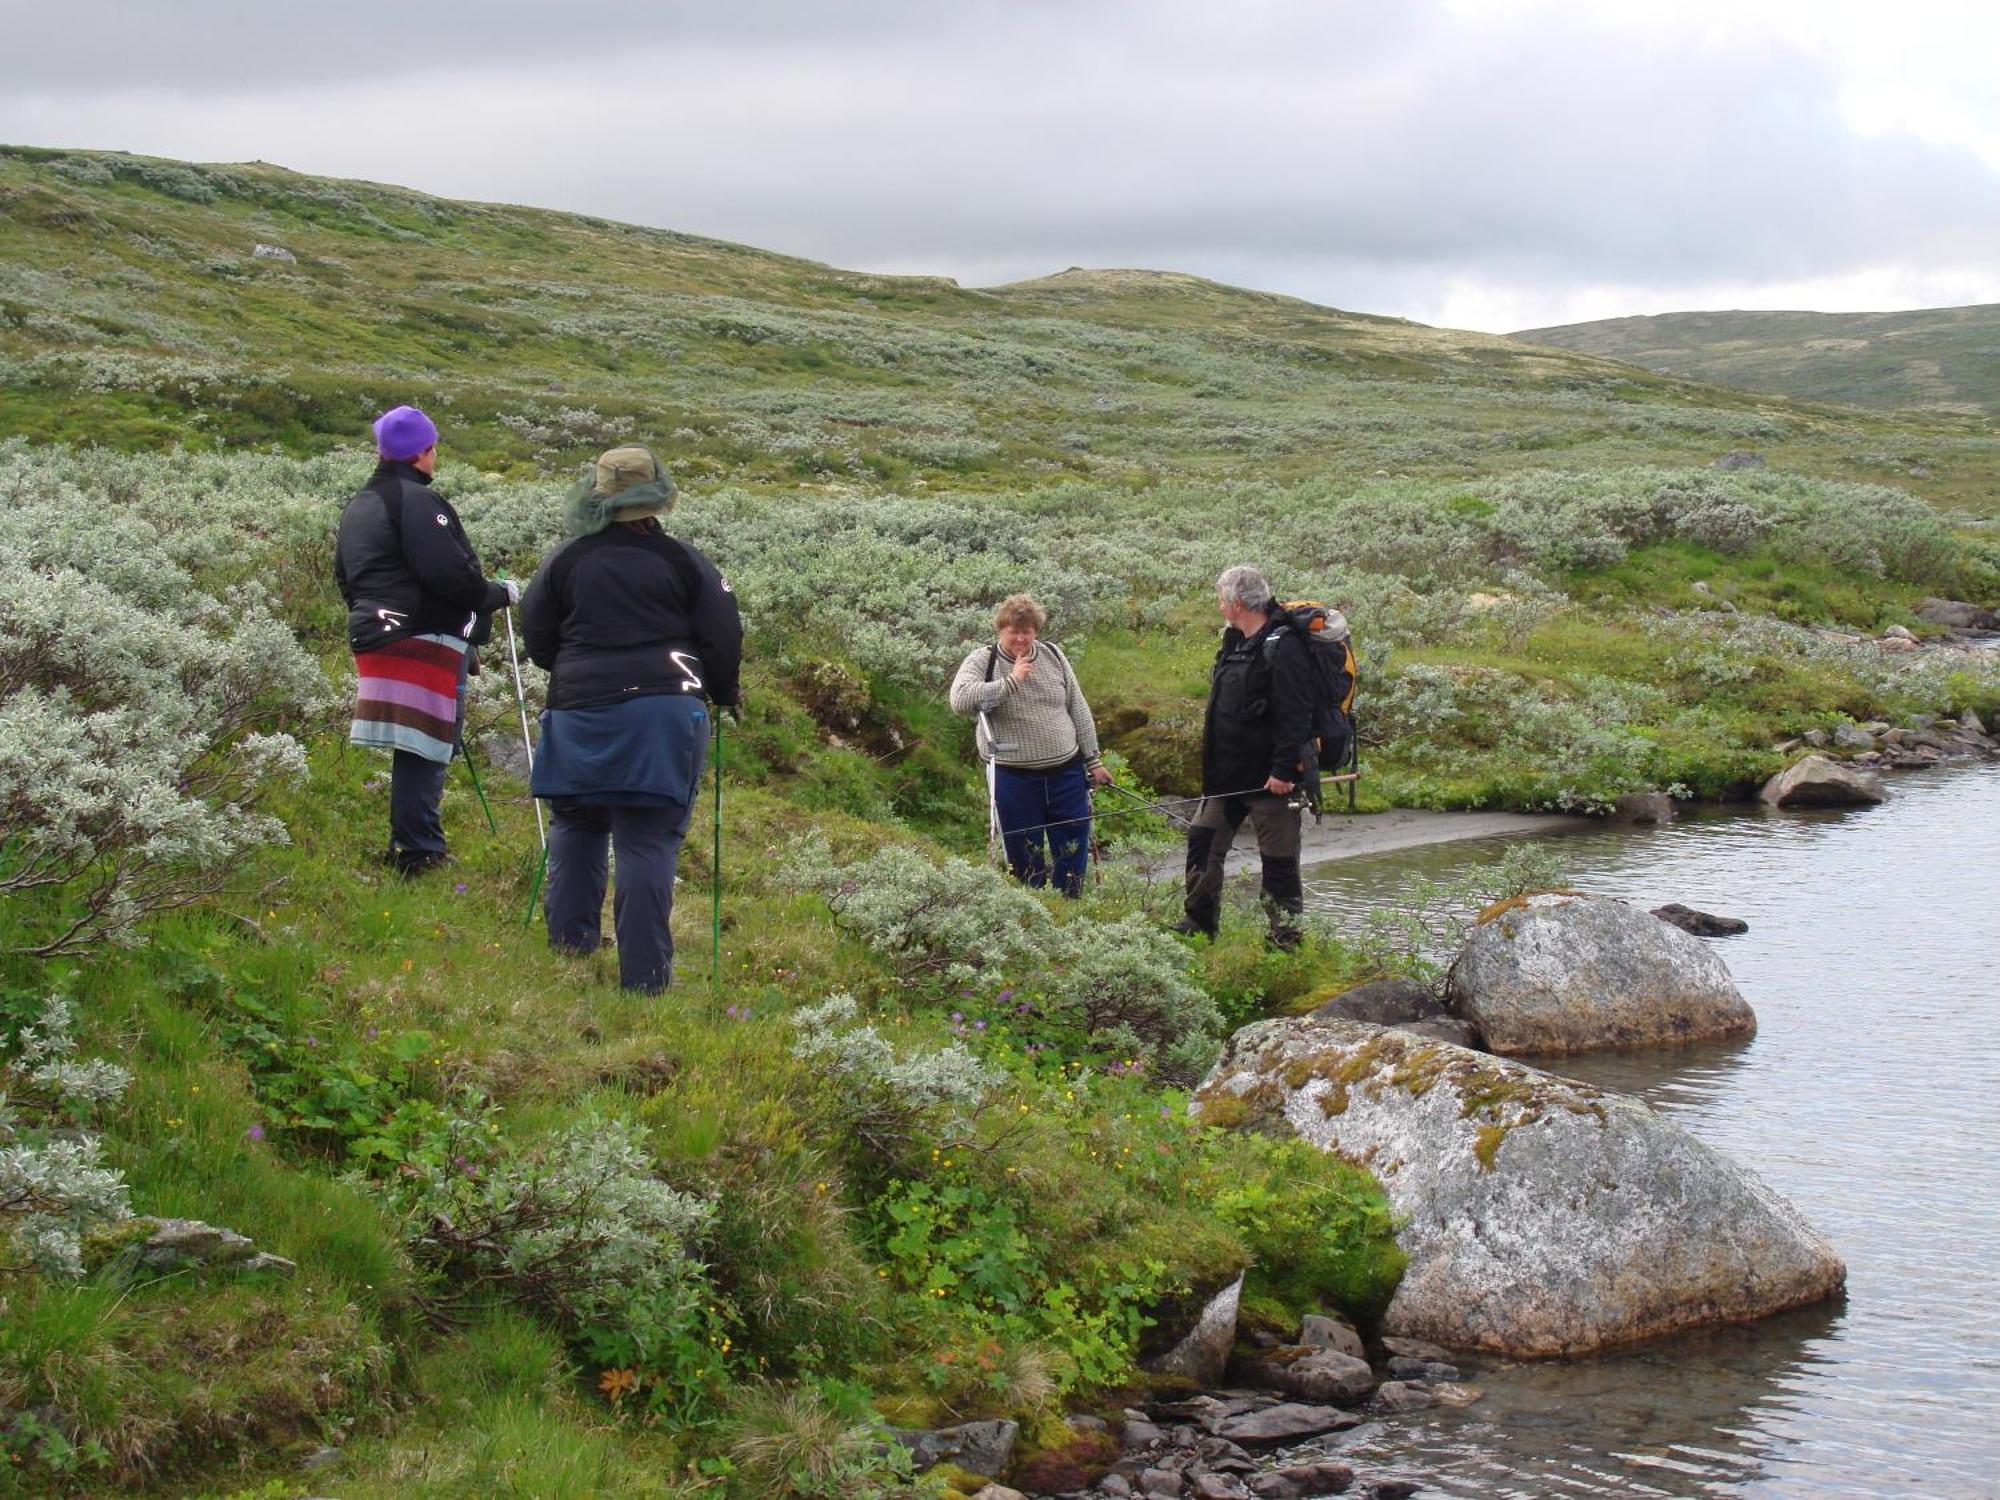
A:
{"x":1256,"y":752}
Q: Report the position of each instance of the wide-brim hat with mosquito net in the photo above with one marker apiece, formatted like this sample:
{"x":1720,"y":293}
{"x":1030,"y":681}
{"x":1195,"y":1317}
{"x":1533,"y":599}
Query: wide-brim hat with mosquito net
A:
{"x":625,"y":485}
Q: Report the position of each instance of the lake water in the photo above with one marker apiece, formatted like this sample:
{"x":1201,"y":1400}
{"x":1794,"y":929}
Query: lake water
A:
{"x":1868,"y":1098}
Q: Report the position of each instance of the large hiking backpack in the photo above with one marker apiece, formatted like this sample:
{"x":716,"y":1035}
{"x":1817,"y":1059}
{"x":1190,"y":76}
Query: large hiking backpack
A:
{"x":1330,"y":647}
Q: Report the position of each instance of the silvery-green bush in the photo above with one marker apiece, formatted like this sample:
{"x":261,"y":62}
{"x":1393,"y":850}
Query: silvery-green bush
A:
{"x":581,"y":1228}
{"x":54,"y":1185}
{"x":887,"y":1097}
{"x":142,"y":711}
{"x":949,"y":919}
{"x":1117,"y":991}
{"x":1121,"y":990}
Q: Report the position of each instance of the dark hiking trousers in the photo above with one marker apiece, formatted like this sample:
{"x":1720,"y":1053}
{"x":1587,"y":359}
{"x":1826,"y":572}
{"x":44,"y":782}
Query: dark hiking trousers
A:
{"x":647,"y":841}
{"x":1051,"y":806}
{"x":416,"y":826}
{"x":416,"y":797}
{"x":1214,"y":830}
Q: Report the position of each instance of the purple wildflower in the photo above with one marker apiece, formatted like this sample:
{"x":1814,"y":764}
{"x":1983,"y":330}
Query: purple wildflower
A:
{"x":255,"y":1132}
{"x":459,"y":888}
{"x":957,"y":1016}
{"x":978,"y":1025}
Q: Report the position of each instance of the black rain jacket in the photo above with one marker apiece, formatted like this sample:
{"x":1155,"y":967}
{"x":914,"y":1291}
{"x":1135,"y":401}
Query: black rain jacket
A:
{"x":405,"y":566}
{"x":1260,"y":700}
{"x":629,"y":611}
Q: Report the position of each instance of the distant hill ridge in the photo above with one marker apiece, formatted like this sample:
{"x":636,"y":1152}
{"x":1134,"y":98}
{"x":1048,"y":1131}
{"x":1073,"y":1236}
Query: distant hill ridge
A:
{"x":1943,"y":359}
{"x":149,"y":303}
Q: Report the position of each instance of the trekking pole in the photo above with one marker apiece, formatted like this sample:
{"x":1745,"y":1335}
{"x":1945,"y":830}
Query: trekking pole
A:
{"x":465,"y":753}
{"x":715,"y":878}
{"x":527,"y":742}
{"x":1157,"y":807}
{"x":528,"y":747}
{"x":995,"y":845}
{"x":1096,"y":847}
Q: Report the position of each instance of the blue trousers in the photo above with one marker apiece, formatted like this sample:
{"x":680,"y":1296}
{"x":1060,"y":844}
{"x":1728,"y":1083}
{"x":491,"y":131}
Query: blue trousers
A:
{"x":648,"y":844}
{"x":1029,"y":801}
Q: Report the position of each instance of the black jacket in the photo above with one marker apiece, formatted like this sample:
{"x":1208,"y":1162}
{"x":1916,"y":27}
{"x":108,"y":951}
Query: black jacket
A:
{"x":628,"y":611}
{"x":405,"y":567}
{"x":1260,"y":699}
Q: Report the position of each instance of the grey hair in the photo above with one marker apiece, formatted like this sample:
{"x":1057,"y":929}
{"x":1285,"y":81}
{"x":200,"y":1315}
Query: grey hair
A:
{"x":1243,"y":586}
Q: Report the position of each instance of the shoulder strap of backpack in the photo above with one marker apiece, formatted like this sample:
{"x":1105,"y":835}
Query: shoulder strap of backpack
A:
{"x":392,"y":507}
{"x":992,"y":655}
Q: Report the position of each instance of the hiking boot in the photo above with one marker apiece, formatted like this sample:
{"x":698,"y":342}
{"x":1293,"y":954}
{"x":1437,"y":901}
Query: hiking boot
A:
{"x":1188,"y":927}
{"x":1285,"y":939}
{"x":410,"y":863}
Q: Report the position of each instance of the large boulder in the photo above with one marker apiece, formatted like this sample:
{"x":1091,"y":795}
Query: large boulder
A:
{"x":1819,"y":782}
{"x":1562,"y":972}
{"x":1541,"y":1217}
{"x":1957,"y":613}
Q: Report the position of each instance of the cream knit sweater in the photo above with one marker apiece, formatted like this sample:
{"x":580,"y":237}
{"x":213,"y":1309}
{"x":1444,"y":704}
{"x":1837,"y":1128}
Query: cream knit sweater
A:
{"x":1038,"y":723}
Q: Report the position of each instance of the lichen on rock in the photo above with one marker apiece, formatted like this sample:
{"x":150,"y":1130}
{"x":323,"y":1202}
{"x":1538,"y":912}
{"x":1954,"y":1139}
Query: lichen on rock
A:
{"x":1541,"y":1216}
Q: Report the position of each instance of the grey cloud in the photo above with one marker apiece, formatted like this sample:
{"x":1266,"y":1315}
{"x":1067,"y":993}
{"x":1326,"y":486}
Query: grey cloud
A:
{"x":1332,"y":151}
{"x":219,"y":47}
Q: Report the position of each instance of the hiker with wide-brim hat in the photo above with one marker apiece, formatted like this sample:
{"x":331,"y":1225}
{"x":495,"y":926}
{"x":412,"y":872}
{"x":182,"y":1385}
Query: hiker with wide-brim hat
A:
{"x":1036,"y":733}
{"x":640,"y":634}
{"x":417,"y":602}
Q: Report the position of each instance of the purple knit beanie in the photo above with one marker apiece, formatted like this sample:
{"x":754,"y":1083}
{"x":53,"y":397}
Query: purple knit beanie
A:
{"x":404,"y":433}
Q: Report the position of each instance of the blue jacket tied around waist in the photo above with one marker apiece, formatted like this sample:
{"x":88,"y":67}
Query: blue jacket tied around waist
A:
{"x":644,"y":752}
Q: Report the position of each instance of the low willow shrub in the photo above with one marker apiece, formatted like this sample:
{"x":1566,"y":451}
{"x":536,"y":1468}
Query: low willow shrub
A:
{"x":888,"y":1100}
{"x":581,"y":1230}
{"x":947,"y":920}
{"x":1115,"y":991}
{"x":142,"y":716}
{"x":54,"y":1186}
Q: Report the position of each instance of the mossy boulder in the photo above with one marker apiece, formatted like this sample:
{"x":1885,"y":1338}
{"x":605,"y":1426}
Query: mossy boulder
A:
{"x":1541,"y":1217}
{"x":1559,"y":971}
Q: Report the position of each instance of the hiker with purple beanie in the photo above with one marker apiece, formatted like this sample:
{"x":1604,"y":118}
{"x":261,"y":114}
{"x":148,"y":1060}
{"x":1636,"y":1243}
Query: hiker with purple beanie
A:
{"x":417,"y":603}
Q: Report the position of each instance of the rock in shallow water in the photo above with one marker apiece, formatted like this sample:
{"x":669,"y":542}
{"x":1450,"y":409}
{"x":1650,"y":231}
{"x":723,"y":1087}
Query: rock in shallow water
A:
{"x":1300,"y":1481}
{"x":1643,"y":808}
{"x":1403,"y":1395}
{"x":1317,"y":1332}
{"x":1819,"y":782}
{"x":1561,"y":972}
{"x":1700,"y":923}
{"x":1541,"y":1216}
{"x":1288,"y":1422}
{"x":1324,"y":1375}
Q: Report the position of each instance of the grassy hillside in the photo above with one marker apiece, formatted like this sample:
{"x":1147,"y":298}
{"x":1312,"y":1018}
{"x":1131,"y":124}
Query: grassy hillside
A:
{"x":1943,"y":359}
{"x":906,"y":1143}
{"x":136,"y":311}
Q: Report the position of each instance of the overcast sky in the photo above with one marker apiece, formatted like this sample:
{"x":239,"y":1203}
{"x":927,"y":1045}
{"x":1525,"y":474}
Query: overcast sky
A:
{"x":1492,"y":164}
